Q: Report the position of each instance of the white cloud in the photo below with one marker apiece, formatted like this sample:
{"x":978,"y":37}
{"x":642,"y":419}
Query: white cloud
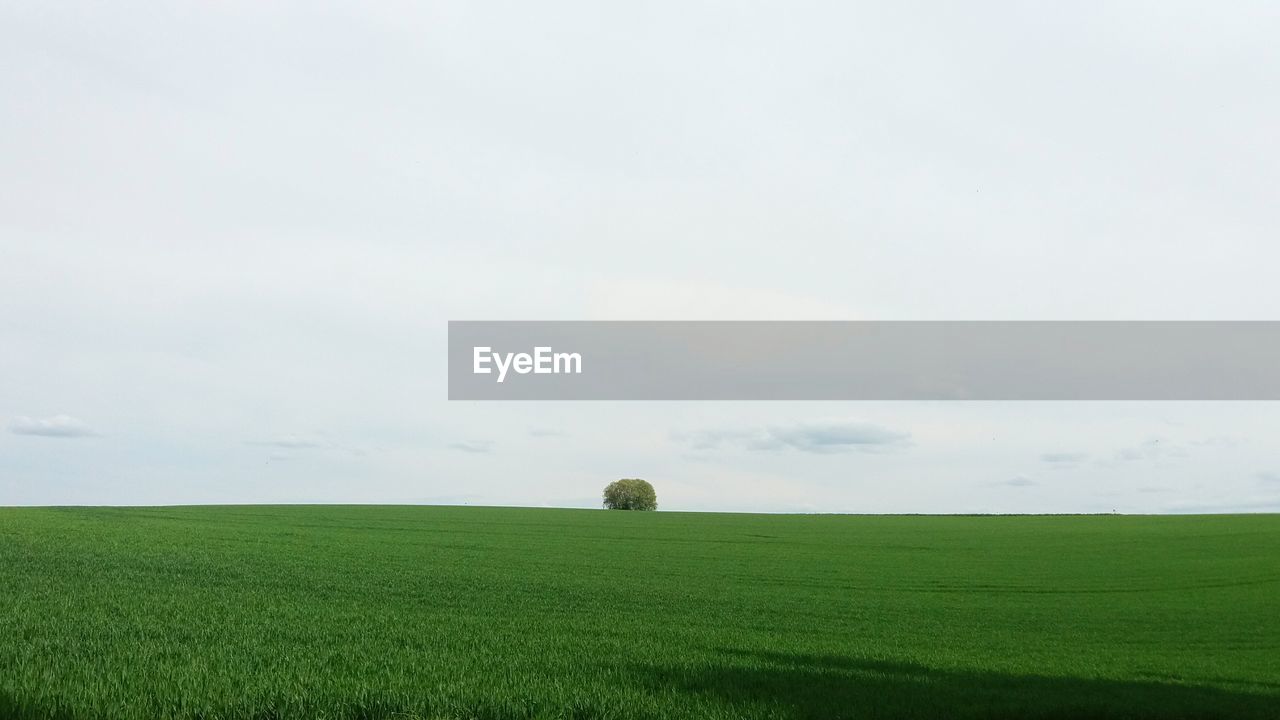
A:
{"x":1150,"y":449}
{"x":820,"y":437}
{"x":291,"y":442}
{"x":649,"y":300}
{"x":63,"y":426}
{"x":1064,"y":459}
{"x":540,"y":432}
{"x":478,"y":447}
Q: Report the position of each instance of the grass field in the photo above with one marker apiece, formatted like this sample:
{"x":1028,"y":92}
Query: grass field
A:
{"x":447,"y":612}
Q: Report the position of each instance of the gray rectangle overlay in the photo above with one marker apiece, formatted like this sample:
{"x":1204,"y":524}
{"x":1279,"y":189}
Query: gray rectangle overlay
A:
{"x":866,"y":360}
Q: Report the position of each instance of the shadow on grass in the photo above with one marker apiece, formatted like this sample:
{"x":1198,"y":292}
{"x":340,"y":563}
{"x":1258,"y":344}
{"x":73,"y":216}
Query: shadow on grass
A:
{"x":800,"y":687}
{"x":764,"y":685}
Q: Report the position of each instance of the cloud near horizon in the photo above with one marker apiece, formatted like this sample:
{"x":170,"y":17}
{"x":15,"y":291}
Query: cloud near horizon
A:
{"x":290,"y":442}
{"x":539,"y":432}
{"x":1064,"y":459}
{"x":819,"y":437}
{"x":60,"y":426}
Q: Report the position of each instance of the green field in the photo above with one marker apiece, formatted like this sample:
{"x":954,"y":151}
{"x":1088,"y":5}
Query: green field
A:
{"x":446,"y":612}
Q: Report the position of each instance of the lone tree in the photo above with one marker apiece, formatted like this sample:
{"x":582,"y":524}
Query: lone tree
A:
{"x":630,"y":494}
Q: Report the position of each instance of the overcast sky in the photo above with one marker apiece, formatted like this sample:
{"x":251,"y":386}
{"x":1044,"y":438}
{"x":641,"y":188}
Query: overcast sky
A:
{"x":231,"y":235}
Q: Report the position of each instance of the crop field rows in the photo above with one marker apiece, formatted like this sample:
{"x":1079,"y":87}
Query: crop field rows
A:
{"x":258,"y":612}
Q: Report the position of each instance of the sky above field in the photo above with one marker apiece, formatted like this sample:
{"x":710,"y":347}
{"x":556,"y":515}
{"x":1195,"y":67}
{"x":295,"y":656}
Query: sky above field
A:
{"x":231,"y":236}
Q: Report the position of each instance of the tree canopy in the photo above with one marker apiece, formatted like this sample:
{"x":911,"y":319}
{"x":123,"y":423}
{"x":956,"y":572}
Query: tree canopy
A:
{"x":630,"y":494}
